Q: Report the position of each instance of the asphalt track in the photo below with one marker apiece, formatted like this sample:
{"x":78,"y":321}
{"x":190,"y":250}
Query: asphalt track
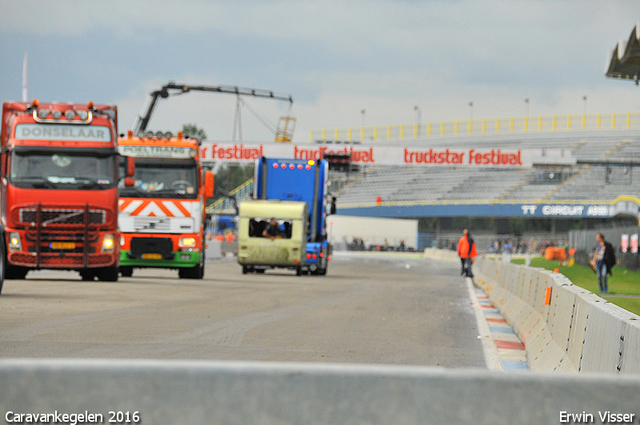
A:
{"x":370,"y":308}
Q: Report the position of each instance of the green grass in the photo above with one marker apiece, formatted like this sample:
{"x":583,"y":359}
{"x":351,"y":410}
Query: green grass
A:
{"x":623,"y":281}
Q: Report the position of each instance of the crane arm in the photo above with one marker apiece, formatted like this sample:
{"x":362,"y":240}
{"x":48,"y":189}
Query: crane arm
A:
{"x":175,"y":89}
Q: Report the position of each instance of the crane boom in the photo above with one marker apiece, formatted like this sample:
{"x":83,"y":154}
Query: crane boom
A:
{"x":172,"y":88}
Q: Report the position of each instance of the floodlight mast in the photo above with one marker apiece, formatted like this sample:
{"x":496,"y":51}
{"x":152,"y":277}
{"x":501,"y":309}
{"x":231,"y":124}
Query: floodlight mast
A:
{"x":173,"y":89}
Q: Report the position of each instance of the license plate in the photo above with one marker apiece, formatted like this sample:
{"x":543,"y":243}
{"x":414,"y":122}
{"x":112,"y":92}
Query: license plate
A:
{"x":152,"y":256}
{"x":63,"y":245}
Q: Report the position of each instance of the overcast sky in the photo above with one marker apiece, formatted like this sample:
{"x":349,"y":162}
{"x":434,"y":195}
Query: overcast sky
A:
{"x":335,"y":57}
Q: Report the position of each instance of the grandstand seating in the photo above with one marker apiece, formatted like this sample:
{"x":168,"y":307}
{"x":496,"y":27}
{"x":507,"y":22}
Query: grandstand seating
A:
{"x":414,"y":184}
{"x":410,"y":184}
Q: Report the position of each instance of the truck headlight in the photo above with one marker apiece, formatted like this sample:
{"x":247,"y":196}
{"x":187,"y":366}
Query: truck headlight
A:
{"x":14,"y":242}
{"x":189,"y":242}
{"x":108,"y":243}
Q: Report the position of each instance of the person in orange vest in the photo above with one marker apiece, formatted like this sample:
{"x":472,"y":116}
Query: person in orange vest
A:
{"x":467,"y":252}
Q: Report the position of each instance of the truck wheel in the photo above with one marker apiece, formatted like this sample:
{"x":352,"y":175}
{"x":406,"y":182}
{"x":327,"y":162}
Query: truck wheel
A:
{"x":15,"y":272}
{"x":245,"y":269}
{"x":109,"y":274}
{"x":196,"y":272}
{"x":3,"y":264}
{"x":87,"y":275}
{"x":299,"y":271}
{"x":126,"y":271}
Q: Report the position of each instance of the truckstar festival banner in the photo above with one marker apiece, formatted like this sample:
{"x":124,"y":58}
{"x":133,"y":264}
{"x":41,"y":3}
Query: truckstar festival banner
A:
{"x":389,"y":155}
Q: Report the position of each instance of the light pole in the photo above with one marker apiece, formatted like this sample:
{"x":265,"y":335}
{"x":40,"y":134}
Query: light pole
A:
{"x":584,"y":116}
{"x":526,"y":107}
{"x":363,"y":112}
{"x":418,"y":118}
{"x":471,"y":110}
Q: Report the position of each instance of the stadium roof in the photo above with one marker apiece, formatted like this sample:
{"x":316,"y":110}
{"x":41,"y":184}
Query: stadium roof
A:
{"x":628,"y":65}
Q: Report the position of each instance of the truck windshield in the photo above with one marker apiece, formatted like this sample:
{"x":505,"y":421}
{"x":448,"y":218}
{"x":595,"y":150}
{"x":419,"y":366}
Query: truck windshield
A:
{"x":163,"y":178}
{"x":62,"y":170}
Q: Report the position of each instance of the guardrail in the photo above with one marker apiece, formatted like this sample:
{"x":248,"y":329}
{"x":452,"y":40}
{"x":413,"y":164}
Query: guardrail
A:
{"x":189,"y":392}
{"x":480,"y":127}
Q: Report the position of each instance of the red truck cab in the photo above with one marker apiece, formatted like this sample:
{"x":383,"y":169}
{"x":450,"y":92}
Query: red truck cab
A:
{"x":59,"y":189}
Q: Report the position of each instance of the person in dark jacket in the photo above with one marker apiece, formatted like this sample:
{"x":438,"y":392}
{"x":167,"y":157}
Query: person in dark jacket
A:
{"x":604,"y":258}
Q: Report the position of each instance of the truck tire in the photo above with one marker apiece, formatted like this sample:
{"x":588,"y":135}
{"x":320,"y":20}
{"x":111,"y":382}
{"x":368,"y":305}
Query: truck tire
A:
{"x":15,"y":272}
{"x":126,"y":271}
{"x":109,"y":274}
{"x":87,"y":275}
{"x":245,"y":269}
{"x":196,"y":272}
{"x":3,"y":263}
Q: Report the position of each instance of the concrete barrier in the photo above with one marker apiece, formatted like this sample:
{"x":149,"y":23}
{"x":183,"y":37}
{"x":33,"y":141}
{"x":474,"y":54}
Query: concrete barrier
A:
{"x":574,"y":331}
{"x":189,"y":392}
{"x":442,"y":254}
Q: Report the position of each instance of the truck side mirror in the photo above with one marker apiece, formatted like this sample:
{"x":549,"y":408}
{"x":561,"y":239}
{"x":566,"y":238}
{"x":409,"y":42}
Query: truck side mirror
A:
{"x":209,"y":179}
{"x":333,"y":205}
{"x":131,"y":167}
{"x":129,"y":181}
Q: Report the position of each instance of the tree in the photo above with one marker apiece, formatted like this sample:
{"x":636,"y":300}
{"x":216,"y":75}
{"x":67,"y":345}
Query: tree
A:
{"x":230,"y":176}
{"x":192,"y":130}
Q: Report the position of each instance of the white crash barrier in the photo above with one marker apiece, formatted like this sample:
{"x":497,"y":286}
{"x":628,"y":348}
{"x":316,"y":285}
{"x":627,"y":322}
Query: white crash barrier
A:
{"x":575,"y":331}
{"x":194,"y":392}
{"x":443,"y":254}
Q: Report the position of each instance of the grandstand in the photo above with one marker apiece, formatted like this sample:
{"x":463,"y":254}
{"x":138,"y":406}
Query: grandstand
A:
{"x":591,"y":181}
{"x":602,"y":186}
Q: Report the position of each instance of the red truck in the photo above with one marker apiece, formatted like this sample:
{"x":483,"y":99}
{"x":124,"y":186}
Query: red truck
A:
{"x":59,"y":189}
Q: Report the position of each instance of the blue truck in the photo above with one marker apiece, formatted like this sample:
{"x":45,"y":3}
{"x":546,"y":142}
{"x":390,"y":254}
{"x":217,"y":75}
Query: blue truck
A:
{"x":284,"y":225}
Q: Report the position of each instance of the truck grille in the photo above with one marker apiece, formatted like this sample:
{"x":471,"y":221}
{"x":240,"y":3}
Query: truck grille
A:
{"x":152,"y":224}
{"x":55,"y":216}
{"x":61,"y":237}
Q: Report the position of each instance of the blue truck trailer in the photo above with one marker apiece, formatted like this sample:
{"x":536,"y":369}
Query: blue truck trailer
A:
{"x":284,"y":225}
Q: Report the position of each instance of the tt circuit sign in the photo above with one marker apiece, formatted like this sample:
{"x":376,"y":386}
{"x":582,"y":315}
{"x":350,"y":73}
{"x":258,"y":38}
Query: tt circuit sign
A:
{"x":389,"y":155}
{"x":621,"y":205}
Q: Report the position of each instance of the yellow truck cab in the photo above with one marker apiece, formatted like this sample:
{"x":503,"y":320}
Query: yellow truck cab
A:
{"x":283,"y":246}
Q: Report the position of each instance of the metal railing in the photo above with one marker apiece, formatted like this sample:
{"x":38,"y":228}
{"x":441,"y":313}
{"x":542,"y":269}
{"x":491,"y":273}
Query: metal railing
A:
{"x":225,"y":204}
{"x":479,"y":127}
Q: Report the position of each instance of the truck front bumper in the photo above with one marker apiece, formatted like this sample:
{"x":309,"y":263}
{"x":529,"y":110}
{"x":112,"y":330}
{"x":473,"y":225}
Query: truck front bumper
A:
{"x":175,"y":260}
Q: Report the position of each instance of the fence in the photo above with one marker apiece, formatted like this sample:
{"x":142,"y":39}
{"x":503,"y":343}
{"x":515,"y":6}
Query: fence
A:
{"x":585,"y":241}
{"x":480,"y":127}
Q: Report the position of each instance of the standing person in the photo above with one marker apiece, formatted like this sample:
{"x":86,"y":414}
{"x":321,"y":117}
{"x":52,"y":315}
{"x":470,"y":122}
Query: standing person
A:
{"x":604,"y":259}
{"x":467,"y":252}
